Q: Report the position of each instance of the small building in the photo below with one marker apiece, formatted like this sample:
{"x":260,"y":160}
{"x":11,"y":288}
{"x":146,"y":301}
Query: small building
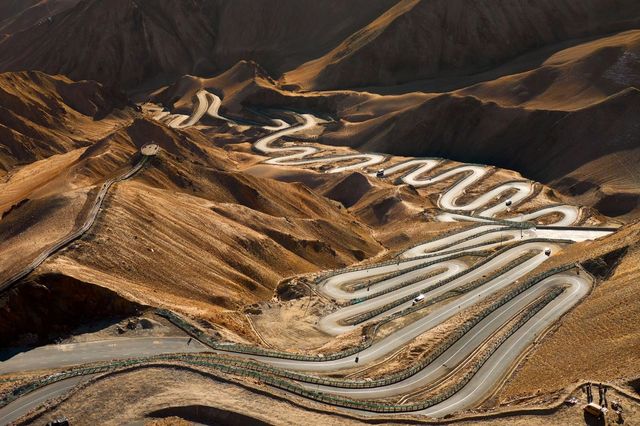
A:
{"x":150,"y":149}
{"x":595,"y":410}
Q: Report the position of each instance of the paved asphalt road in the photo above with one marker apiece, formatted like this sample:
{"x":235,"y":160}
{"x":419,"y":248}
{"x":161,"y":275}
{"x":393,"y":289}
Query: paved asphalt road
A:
{"x":492,"y":371}
{"x":481,"y":237}
{"x":22,"y":406}
{"x":472,"y":174}
{"x":63,"y":355}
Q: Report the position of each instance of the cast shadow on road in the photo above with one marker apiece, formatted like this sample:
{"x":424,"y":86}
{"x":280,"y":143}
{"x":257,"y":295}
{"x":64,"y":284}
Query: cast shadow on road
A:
{"x":9,"y":352}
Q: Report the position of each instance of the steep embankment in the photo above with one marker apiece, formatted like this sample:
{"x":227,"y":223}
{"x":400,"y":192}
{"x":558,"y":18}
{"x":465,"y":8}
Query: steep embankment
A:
{"x":427,"y":39}
{"x":204,"y":241}
{"x":52,"y":305}
{"x":46,"y":123}
{"x":596,"y":340}
{"x":570,"y":123}
{"x":190,"y":232}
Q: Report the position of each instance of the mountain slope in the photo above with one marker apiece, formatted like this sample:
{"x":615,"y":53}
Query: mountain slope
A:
{"x":572,"y":78}
{"x":21,"y":14}
{"x":190,"y":231}
{"x":427,"y":39}
{"x":128,"y":43}
{"x":544,"y":145}
{"x":569,"y":122}
{"x":41,"y":115}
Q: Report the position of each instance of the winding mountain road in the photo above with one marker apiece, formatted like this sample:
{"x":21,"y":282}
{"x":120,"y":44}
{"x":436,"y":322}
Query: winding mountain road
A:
{"x":206,"y":104}
{"x":433,"y":269}
{"x":484,"y":207}
{"x":485,"y":204}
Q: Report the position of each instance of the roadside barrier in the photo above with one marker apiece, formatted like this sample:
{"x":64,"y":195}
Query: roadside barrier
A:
{"x":467,"y":238}
{"x":489,"y":220}
{"x":412,"y":269}
{"x":357,"y":319}
{"x":404,"y":374}
{"x":368,"y":315}
{"x":503,"y":227}
{"x":510,"y":246}
{"x":254,"y":370}
{"x":329,"y":274}
{"x":384,"y":407}
{"x":373,"y":282}
{"x":254,"y":350}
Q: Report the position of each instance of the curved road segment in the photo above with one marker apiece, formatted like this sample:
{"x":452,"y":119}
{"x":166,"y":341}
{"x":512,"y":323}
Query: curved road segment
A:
{"x":471,"y":175}
{"x":419,"y":270}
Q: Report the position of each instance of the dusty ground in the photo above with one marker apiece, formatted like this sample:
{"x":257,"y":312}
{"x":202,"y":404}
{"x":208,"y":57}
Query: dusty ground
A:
{"x":593,"y":342}
{"x":107,"y":401}
{"x":145,"y":325}
{"x":573,"y":415}
{"x":207,"y":231}
{"x":38,"y":224}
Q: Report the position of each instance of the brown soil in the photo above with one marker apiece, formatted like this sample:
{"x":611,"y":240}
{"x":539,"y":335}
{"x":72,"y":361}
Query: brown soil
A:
{"x":417,"y":40}
{"x":158,"y":388}
{"x":157,"y":41}
{"x":41,"y":115}
{"x":594,"y":341}
{"x":107,"y":401}
{"x":548,"y":88}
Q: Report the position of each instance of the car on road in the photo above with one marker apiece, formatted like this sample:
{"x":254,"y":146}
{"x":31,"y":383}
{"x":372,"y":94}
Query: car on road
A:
{"x":418,"y":299}
{"x":380,"y":173}
{"x":547,"y":251}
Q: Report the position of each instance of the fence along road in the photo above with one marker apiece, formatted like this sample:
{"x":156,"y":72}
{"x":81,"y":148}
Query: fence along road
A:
{"x":479,"y":237}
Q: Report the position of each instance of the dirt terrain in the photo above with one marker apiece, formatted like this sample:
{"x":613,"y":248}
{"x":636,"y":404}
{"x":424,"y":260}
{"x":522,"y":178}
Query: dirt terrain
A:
{"x":592,"y":342}
{"x":184,"y":396}
{"x":151,"y":41}
{"x":567,"y":121}
{"x":546,"y":90}
{"x":418,"y":40}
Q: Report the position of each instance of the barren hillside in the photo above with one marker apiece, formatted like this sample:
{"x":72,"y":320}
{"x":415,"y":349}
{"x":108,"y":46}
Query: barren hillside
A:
{"x":417,"y":40}
{"x":18,"y":15}
{"x":593,"y":342}
{"x":41,"y":115}
{"x":196,"y":208}
{"x":128,"y":43}
{"x":373,"y":211}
